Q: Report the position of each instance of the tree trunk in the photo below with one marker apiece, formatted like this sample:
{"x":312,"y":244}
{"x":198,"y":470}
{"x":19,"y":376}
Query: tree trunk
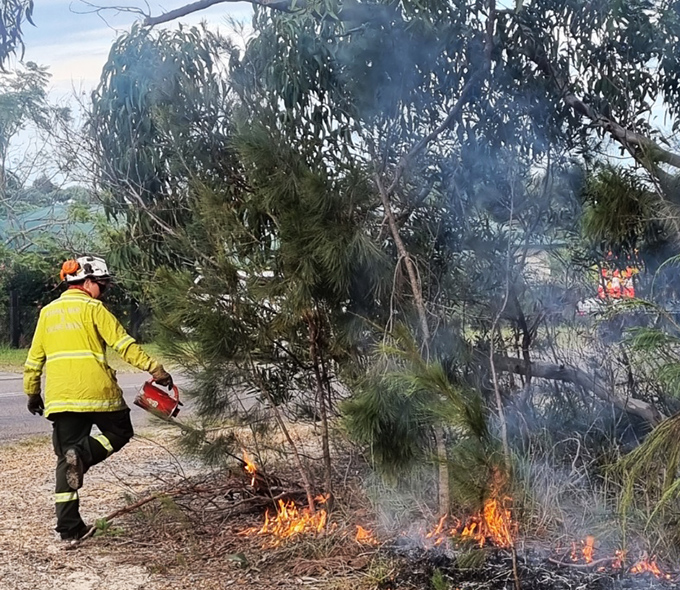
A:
{"x":137,"y":317}
{"x":442,"y":459}
{"x":302,"y":468}
{"x":313,"y":326}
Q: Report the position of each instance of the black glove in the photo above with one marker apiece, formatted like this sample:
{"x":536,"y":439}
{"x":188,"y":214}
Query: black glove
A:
{"x":35,"y":404}
{"x":162,"y":377}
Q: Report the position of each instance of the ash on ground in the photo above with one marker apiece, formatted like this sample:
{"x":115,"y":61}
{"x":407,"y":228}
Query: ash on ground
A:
{"x":492,"y":569}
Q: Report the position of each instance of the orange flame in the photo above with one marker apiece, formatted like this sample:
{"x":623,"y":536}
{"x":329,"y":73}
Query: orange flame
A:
{"x":643,"y":566}
{"x":250,"y":467}
{"x":588,"y":546}
{"x":494,"y":524}
{"x":646,"y":565}
{"x":436,"y":534}
{"x":365,"y":536}
{"x":289,"y":523}
{"x":573,"y":554}
{"x":584,"y":552}
{"x":322,"y":498}
{"x":498,"y":522}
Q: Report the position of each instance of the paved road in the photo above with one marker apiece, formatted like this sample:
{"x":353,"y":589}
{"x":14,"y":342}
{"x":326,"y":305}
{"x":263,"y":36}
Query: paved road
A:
{"x":16,"y":422}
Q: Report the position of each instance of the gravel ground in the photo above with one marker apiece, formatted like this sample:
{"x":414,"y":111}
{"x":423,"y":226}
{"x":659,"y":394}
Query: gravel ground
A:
{"x":149,"y":557}
{"x":32,"y":557}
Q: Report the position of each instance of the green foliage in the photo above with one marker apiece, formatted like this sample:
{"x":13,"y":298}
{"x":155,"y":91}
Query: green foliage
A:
{"x":104,"y":528}
{"x":620,"y":212}
{"x":23,"y":97}
{"x":250,"y":191}
{"x":471,"y":559}
{"x":439,"y":581}
{"x":396,"y":407}
{"x":653,"y":466}
{"x":659,"y":348}
{"x":13,"y":13}
{"x":160,"y":116}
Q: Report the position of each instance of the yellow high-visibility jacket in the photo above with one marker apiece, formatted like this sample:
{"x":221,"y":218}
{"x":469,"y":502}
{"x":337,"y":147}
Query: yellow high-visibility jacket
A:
{"x":70,"y":343}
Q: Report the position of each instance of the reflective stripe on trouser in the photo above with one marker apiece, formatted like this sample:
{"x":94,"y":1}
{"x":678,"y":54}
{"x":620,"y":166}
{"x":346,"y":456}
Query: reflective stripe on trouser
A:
{"x":105,"y":442}
{"x":72,"y":430}
{"x":60,"y":497}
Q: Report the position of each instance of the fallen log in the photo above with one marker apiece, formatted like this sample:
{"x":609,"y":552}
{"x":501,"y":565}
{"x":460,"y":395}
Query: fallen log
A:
{"x":590,"y":382}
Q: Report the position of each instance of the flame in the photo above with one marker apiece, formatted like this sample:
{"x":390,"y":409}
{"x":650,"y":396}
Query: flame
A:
{"x":585,"y":552}
{"x":250,"y":467}
{"x":494,"y":524}
{"x":646,"y":565}
{"x":436,"y":534}
{"x":573,"y":554}
{"x":289,"y":523}
{"x":499,"y":522}
{"x":322,"y":498}
{"x":588,"y":546}
{"x":642,"y":566}
{"x":365,"y":536}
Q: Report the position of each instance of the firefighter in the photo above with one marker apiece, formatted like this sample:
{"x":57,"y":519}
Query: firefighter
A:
{"x":615,"y":285}
{"x":81,"y":391}
{"x":601,"y":293}
{"x":628,"y":285}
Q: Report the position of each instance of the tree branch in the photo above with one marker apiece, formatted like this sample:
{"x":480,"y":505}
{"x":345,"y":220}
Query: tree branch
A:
{"x":453,"y":113}
{"x":593,"y":383}
{"x":354,"y":12}
{"x":643,"y":149}
{"x":416,"y":287}
{"x":150,"y":21}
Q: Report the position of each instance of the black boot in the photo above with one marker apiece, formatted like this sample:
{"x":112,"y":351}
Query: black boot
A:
{"x":76,"y":535}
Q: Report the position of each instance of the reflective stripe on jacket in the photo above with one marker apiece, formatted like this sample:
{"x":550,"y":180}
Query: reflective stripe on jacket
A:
{"x":70,"y":344}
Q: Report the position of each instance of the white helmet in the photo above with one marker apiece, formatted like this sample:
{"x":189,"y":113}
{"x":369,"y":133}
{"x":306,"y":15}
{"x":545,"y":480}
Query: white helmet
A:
{"x":85,"y":267}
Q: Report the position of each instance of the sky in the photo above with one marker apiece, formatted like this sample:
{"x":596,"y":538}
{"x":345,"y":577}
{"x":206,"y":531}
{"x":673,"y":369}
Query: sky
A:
{"x":74,"y":41}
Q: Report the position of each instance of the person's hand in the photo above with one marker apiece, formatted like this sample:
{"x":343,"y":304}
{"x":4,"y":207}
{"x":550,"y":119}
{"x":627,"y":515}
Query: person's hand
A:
{"x":35,"y":404}
{"x":162,"y":377}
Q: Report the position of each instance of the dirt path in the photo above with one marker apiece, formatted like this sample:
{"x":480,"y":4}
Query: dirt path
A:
{"x":31,"y":557}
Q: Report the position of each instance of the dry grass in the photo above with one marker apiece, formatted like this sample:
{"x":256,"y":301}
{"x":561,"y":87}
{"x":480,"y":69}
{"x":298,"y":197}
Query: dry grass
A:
{"x":175,"y":543}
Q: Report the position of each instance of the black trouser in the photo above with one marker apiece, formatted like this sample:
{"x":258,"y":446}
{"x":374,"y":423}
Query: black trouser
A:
{"x":72,"y":430}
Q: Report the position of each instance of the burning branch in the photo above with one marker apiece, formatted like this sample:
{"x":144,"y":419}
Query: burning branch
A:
{"x":644,"y":565}
{"x":290,"y":523}
{"x":492,"y":525}
{"x":250,"y":468}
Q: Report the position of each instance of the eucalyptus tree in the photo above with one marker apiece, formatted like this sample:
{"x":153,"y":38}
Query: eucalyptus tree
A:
{"x":264,"y":254}
{"x":597,"y":69}
{"x":160,"y":115}
{"x":361,"y":142}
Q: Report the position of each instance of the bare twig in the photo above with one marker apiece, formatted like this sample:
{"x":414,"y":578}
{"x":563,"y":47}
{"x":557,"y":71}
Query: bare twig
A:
{"x":583,"y":566}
